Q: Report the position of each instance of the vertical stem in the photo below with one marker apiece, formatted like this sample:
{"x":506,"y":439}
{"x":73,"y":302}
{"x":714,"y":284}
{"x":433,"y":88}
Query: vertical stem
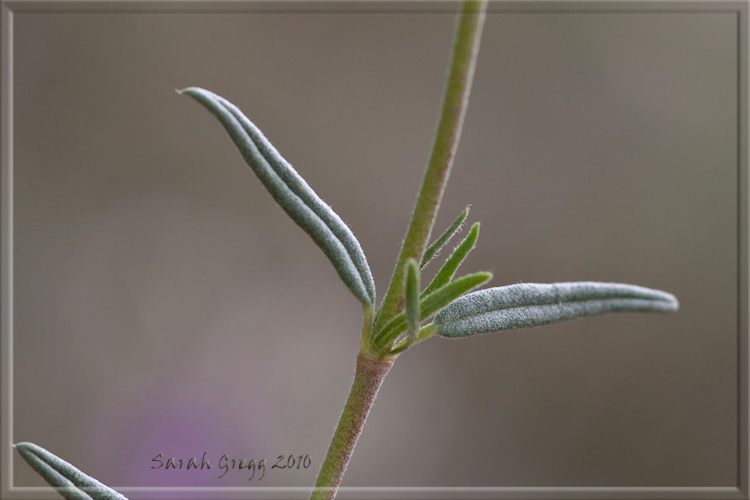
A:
{"x":370,"y":370}
{"x":455,"y":102}
{"x":368,"y":377}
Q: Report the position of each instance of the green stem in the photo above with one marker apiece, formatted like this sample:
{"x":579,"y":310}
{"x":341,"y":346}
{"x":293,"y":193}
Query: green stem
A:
{"x":455,"y":102}
{"x":373,"y":367}
{"x":368,"y":377}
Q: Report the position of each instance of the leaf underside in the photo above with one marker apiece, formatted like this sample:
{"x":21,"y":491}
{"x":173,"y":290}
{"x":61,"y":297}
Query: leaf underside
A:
{"x":70,"y":482}
{"x":531,"y":304}
{"x":294,"y":195}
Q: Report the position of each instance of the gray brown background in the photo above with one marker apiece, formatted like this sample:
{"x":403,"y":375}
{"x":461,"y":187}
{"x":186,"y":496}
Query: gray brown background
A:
{"x":164,"y":304}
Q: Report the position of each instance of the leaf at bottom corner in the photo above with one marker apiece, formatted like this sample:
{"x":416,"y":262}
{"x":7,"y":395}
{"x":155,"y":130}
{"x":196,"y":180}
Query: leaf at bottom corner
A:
{"x":70,"y":482}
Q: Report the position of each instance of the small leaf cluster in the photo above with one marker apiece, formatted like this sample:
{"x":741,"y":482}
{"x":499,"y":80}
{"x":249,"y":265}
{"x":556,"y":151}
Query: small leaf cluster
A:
{"x":458,"y":310}
{"x":439,"y":293}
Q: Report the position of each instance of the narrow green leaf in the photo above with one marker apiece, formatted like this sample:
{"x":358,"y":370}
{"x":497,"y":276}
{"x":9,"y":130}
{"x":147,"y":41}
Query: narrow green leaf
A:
{"x":411,"y":300}
{"x":70,"y":482}
{"x":428,"y":306}
{"x":444,"y":238}
{"x":451,"y":265}
{"x":294,"y":195}
{"x":425,"y":333}
{"x":530,"y":304}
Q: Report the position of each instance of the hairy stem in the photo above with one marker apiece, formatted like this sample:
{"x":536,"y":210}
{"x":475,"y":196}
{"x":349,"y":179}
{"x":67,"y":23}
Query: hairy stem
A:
{"x":373,"y":367}
{"x":368,"y":377}
{"x":455,"y":102}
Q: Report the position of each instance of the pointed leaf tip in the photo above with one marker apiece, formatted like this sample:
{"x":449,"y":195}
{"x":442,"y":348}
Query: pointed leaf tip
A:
{"x":294,"y":195}
{"x":451,"y":265}
{"x":444,"y":238}
{"x":70,"y":482}
{"x":531,"y":304}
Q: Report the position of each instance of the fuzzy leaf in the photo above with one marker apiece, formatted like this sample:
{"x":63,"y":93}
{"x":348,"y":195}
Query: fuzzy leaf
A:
{"x":411,"y":300}
{"x":429,"y":305}
{"x":70,"y":482}
{"x":451,"y":265}
{"x":444,"y":238}
{"x":530,"y":304}
{"x":294,"y":195}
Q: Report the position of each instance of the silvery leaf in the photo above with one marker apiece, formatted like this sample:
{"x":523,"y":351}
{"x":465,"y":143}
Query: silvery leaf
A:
{"x":294,"y":195}
{"x":531,"y":304}
{"x":70,"y":482}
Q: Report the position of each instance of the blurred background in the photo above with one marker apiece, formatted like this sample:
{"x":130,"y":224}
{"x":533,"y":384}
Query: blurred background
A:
{"x":164,"y":304}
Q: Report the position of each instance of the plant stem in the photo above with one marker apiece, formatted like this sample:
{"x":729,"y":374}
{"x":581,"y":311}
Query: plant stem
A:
{"x":368,"y":377}
{"x":455,"y":102}
{"x":373,"y":367}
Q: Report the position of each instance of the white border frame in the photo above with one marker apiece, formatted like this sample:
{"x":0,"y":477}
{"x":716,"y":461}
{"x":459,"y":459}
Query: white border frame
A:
{"x":7,"y":8}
